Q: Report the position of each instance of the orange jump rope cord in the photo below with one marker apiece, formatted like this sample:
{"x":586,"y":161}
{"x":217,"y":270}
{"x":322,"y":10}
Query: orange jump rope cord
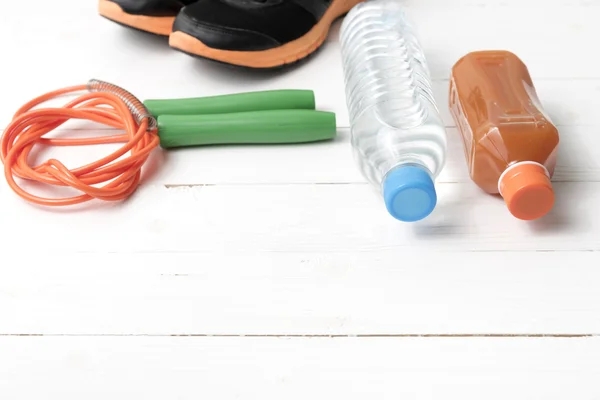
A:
{"x":120,"y":177}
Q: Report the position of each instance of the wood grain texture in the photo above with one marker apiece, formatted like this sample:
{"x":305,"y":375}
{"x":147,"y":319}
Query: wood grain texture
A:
{"x":312,"y":218}
{"x":372,"y":293}
{"x":332,"y":162}
{"x":227,"y":368}
{"x":568,"y":101}
{"x":328,"y":162}
{"x":275,"y":271}
{"x":554,"y":39}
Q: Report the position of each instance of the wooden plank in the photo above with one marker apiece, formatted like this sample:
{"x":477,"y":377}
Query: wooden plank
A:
{"x":355,"y":293}
{"x":330,"y":162}
{"x":321,"y":218}
{"x":148,"y":68}
{"x":552,"y":37}
{"x":324,"y":163}
{"x":568,"y":102}
{"x":233,"y":368}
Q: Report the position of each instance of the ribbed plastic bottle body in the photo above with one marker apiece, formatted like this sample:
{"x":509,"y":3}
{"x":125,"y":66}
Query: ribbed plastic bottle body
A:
{"x":393,"y":115}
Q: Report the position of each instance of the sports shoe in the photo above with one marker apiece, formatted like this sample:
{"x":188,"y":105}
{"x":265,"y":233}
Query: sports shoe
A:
{"x":154,"y":16}
{"x":256,"y":33}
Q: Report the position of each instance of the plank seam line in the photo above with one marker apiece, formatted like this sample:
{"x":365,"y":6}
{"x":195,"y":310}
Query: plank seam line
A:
{"x":347,"y":183}
{"x":332,"y":336}
{"x":323,"y":251}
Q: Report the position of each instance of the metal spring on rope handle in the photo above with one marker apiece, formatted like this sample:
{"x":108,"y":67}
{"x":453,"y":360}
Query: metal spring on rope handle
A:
{"x":137,"y":108}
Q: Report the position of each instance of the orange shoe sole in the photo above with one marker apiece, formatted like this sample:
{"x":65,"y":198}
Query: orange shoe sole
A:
{"x":289,"y":53}
{"x":157,"y":25}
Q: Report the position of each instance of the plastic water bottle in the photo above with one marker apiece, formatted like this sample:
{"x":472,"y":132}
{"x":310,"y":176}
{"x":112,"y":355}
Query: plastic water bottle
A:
{"x":398,"y":136}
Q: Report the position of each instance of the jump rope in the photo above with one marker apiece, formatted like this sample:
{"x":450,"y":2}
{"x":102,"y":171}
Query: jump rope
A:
{"x":266,"y":117}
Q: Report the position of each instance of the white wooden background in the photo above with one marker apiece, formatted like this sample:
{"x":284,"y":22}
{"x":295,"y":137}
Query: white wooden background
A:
{"x":275,"y":272}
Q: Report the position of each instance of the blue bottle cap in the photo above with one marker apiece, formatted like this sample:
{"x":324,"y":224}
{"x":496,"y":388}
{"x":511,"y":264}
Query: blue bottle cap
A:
{"x":409,"y":193}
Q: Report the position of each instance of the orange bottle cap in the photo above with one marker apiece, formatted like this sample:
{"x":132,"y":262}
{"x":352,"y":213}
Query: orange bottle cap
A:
{"x":527,"y":190}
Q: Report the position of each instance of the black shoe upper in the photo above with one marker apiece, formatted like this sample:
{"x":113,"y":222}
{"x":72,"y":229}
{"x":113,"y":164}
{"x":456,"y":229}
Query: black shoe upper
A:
{"x":154,"y":8}
{"x":249,"y":25}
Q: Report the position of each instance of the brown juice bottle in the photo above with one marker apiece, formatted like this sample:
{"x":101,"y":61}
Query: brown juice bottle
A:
{"x":510,"y":143}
